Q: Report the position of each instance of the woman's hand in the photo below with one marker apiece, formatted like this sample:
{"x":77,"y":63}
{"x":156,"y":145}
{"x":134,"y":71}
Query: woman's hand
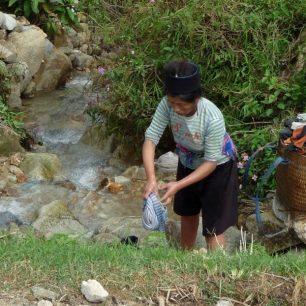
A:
{"x":151,"y":186}
{"x":171,"y":189}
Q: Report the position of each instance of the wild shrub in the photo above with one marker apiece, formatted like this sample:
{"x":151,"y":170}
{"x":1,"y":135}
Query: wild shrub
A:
{"x":7,"y":116}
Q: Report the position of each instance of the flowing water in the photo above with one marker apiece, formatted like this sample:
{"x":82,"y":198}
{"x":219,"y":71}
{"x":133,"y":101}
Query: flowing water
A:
{"x":57,"y":121}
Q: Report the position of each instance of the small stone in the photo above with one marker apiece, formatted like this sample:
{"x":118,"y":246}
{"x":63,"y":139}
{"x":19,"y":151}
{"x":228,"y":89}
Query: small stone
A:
{"x":16,"y":159}
{"x":201,"y":251}
{"x":15,"y":170}
{"x":114,"y":187}
{"x":224,"y":303}
{"x":93,"y":291}
{"x":44,"y":303}
{"x":121,"y":180}
{"x":21,"y":178}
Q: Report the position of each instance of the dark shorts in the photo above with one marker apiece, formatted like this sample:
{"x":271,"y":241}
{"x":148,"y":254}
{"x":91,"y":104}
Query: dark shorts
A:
{"x":216,"y":196}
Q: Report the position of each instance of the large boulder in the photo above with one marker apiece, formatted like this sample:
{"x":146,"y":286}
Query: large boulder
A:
{"x":31,"y":46}
{"x":53,"y":71}
{"x":9,"y":141}
{"x":42,"y":167}
{"x":56,"y":218}
{"x":123,"y":228}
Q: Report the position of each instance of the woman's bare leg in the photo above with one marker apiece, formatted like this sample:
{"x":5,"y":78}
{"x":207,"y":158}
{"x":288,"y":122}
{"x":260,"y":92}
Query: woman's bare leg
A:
{"x":189,"y":229}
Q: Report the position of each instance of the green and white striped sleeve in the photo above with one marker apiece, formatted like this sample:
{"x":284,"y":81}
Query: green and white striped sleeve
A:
{"x":159,"y":122}
{"x":214,"y":140}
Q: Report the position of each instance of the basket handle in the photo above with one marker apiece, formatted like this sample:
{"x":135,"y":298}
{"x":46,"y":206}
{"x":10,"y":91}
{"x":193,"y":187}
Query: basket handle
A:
{"x":277,"y":161}
{"x":252,"y":157}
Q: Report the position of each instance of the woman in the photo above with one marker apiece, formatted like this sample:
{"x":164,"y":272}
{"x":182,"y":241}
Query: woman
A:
{"x":207,"y":177}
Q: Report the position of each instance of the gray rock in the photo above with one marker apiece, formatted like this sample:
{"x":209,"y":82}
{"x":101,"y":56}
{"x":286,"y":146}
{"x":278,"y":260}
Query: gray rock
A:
{"x":56,"y":218}
{"x":53,"y":72}
{"x":43,"y":293}
{"x":44,"y":303}
{"x":167,"y":162}
{"x":7,"y":22}
{"x":9,"y":141}
{"x":42,"y":167}
{"x":80,"y":60}
{"x":32,"y":48}
{"x":6,"y":218}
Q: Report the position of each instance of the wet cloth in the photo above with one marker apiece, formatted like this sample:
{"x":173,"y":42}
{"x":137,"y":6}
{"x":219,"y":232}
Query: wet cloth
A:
{"x":154,"y":214}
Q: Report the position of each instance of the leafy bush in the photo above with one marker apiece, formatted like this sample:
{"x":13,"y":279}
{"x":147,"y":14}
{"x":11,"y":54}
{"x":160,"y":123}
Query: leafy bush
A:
{"x":50,"y":14}
{"x":7,"y":116}
{"x":243,"y":49}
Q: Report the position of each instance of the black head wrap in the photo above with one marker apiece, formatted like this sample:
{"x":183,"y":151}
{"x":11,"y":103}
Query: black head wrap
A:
{"x":175,"y":84}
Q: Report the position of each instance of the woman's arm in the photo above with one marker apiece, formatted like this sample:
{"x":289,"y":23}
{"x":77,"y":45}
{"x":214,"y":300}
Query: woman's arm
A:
{"x":148,"y":153}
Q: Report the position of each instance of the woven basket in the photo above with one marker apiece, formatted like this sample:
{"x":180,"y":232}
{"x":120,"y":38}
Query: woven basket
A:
{"x":291,"y":180}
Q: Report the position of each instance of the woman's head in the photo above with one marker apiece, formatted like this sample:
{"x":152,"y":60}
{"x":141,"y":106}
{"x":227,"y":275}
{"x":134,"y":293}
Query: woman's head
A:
{"x":182,"y":80}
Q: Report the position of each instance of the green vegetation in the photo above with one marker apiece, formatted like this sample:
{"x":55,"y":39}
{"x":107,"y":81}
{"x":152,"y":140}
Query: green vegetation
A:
{"x":8,"y":117}
{"x":249,"y":53}
{"x":48,"y":14}
{"x":129,"y":272}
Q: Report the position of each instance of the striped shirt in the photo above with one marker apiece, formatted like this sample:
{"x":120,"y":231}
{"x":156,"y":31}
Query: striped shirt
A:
{"x":200,"y":135}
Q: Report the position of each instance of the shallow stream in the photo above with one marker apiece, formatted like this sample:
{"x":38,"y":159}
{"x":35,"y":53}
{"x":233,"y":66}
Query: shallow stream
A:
{"x":57,"y":121}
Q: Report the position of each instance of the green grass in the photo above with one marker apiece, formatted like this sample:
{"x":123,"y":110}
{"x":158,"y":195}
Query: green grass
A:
{"x":131,"y":272}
